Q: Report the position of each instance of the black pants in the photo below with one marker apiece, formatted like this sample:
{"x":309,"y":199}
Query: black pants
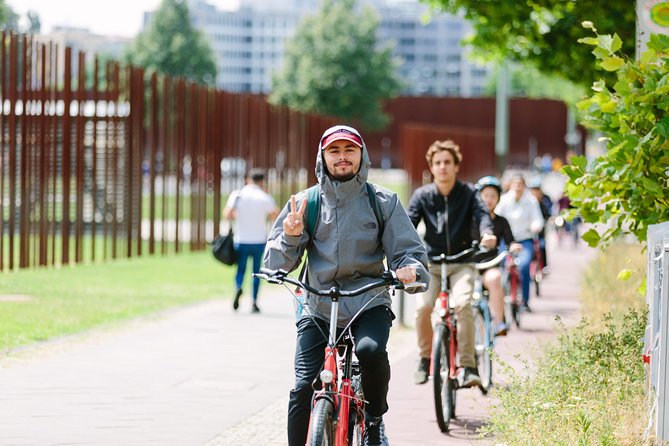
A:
{"x":370,"y":333}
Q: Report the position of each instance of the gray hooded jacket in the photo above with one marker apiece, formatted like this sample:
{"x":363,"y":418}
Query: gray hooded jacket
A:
{"x":346,"y":250}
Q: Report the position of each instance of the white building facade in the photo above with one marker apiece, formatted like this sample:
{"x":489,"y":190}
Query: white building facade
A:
{"x":249,"y":44}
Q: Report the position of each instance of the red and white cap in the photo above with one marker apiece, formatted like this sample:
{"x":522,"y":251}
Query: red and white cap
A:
{"x":341,"y":132}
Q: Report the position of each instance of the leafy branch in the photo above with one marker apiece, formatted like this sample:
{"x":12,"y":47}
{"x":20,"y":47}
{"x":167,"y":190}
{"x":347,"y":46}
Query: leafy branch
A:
{"x":627,"y":188}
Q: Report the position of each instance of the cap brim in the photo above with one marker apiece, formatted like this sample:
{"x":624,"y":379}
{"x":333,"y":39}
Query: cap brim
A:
{"x":338,"y":137}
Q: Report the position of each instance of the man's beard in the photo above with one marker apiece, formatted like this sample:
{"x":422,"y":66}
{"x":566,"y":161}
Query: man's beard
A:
{"x":343,"y":178}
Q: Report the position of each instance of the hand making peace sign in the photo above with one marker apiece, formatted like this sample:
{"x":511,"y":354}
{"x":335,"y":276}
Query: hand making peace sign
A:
{"x":293,"y":224}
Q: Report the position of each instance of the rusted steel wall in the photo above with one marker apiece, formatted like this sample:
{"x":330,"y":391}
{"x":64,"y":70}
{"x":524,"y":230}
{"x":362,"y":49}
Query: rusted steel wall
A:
{"x":99,"y":162}
{"x":537,"y":125}
{"x":477,"y":148}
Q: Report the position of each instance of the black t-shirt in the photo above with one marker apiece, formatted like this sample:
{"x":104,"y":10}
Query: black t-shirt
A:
{"x":502,"y":230}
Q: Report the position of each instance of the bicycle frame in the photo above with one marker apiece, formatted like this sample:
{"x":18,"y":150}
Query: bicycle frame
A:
{"x":512,"y":288}
{"x":337,"y":375}
{"x":340,"y":390}
{"x":446,"y":376}
{"x":447,"y":314}
{"x":485,"y":341}
{"x":536,"y":264}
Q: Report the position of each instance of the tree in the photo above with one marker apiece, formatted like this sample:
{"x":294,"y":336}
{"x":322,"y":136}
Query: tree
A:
{"x":544,"y":32}
{"x":9,"y":19}
{"x":627,"y":188}
{"x":170,"y":45}
{"x":332,"y":66}
{"x":34,"y":22}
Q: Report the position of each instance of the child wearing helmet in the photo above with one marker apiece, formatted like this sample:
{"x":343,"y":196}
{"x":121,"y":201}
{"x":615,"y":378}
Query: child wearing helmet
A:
{"x":490,"y":190}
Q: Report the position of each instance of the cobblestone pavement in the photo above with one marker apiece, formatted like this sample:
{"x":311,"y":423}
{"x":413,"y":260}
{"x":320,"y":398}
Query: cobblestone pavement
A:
{"x":205,"y":375}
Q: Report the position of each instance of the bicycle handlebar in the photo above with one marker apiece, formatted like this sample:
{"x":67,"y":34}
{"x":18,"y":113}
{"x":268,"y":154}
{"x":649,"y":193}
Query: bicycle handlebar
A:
{"x":468,"y":253}
{"x":492,"y":262}
{"x":387,"y":278}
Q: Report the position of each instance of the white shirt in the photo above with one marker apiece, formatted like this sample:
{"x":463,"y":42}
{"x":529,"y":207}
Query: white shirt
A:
{"x":252,"y":206}
{"x":524,"y":215}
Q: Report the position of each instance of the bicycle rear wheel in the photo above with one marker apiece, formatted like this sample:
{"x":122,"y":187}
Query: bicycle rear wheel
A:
{"x":444,"y":390}
{"x":482,"y":347}
{"x":321,"y":428}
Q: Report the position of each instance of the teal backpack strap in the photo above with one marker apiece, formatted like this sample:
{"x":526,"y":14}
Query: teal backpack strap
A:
{"x":313,"y":209}
{"x":313,"y":214}
{"x":374,"y":203}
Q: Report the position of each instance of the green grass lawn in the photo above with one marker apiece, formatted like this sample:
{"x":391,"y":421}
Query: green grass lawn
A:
{"x":73,"y":299}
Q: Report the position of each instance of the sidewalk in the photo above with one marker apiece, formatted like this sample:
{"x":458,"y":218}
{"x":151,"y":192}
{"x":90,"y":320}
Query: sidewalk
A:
{"x":206,"y":375}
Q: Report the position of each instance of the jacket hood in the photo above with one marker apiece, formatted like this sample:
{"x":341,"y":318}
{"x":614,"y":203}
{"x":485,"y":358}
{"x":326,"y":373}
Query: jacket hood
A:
{"x":321,"y":175}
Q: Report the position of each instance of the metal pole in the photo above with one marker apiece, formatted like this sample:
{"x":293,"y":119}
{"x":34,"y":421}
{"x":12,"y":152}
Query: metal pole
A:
{"x":662,"y":419}
{"x":502,"y":118}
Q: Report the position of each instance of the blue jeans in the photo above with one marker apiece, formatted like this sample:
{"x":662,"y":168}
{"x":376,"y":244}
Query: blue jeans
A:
{"x":244,"y":250}
{"x":524,"y":260}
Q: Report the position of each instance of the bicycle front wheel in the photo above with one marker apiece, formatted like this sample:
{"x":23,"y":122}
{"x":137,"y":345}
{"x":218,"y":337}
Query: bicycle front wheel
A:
{"x":321,"y":427}
{"x":356,"y":416}
{"x":482,"y":348}
{"x":444,"y":391}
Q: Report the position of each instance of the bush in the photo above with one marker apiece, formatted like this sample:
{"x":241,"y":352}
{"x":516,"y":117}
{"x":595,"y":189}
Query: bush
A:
{"x":589,"y":387}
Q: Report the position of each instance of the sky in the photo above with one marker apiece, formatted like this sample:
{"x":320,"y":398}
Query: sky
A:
{"x":105,"y":17}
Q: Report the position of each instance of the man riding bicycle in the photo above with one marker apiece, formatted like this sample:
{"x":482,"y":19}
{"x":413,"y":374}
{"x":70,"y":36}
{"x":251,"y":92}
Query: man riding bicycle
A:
{"x":451,"y":211}
{"x":347,"y":249}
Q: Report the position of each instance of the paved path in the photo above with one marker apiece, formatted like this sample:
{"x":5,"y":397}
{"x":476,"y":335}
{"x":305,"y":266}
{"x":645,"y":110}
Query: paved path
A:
{"x":205,"y":375}
{"x":411,"y":420}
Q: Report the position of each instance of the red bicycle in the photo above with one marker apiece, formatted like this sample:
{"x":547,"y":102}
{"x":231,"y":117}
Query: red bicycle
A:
{"x":444,"y":369}
{"x":338,"y":408}
{"x":537,"y":264}
{"x":511,"y":282}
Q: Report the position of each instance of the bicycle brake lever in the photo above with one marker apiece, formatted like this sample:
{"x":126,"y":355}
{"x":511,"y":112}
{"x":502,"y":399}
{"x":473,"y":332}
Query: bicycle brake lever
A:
{"x":415,"y":287}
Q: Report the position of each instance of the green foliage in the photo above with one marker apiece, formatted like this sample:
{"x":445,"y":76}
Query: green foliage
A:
{"x":332,"y":67}
{"x":589,"y":387}
{"x":627,"y":188}
{"x":171,"y":46}
{"x":542,"y":32}
{"x":587,"y":390}
{"x":9,"y":19}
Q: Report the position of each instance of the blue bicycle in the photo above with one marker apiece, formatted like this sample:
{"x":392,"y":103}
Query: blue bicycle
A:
{"x":483,"y":323}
